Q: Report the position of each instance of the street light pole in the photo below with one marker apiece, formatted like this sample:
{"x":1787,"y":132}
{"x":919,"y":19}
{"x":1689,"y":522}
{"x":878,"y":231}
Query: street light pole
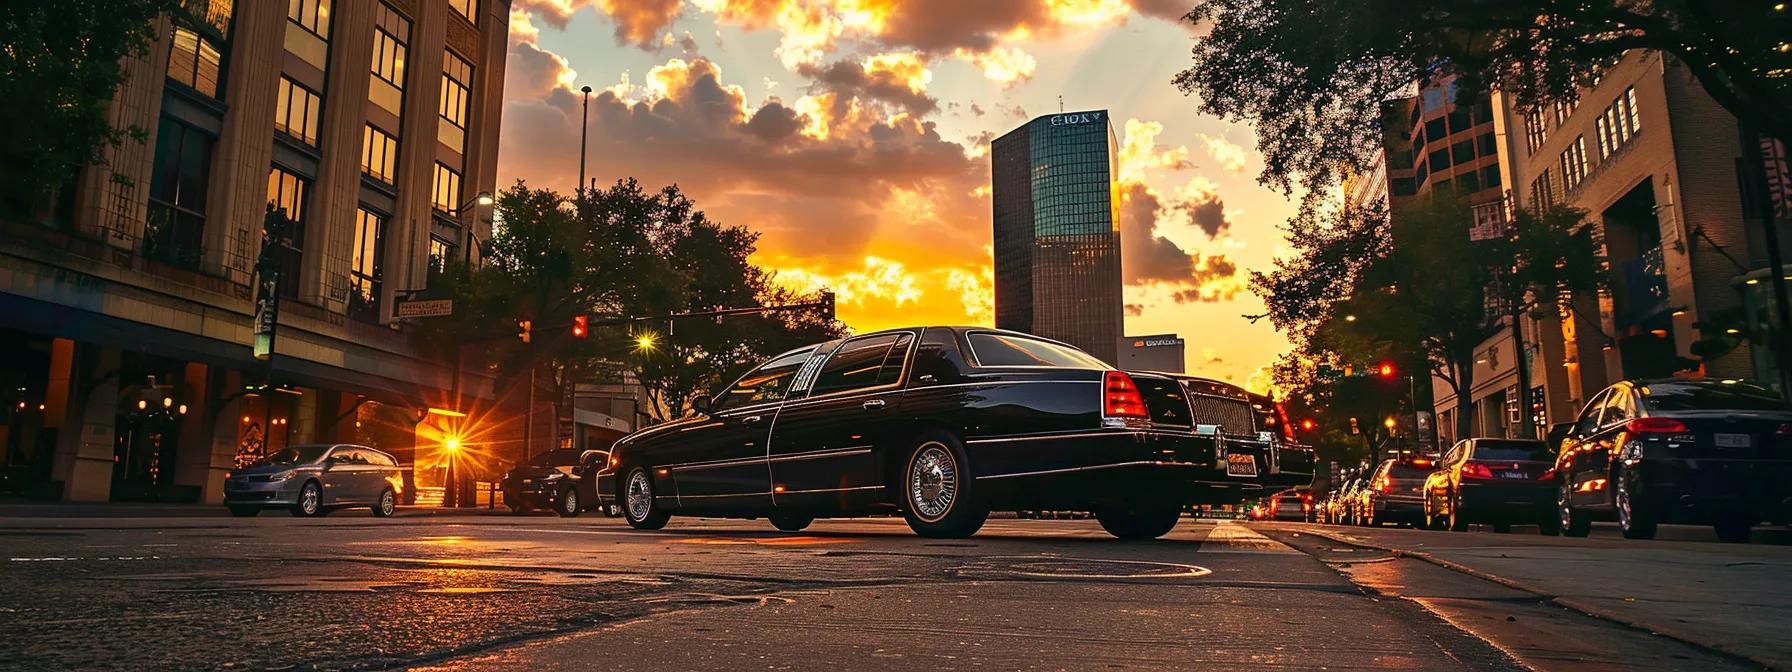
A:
{"x":584,"y":126}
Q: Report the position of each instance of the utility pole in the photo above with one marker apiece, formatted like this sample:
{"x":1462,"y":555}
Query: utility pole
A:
{"x":584,"y":126}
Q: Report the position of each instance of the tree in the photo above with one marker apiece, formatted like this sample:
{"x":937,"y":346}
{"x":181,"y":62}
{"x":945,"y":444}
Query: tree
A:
{"x":1312,"y":74}
{"x":621,"y":252}
{"x":1363,"y":287}
{"x":58,"y":72}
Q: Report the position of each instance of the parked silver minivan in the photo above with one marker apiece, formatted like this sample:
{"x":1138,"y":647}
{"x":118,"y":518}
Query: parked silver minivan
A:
{"x":311,"y":480}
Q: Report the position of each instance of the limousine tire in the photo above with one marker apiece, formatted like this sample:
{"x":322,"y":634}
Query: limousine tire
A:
{"x":638,"y":503}
{"x":937,"y":499}
{"x":1139,"y":521}
{"x":791,"y":522}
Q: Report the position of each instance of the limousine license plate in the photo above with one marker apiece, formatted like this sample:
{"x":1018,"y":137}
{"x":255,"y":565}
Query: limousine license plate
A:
{"x":1515,"y":475}
{"x":1238,"y":464}
{"x":1730,"y":440}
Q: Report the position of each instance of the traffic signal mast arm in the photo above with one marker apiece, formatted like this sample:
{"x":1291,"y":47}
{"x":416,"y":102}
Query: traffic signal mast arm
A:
{"x":825,"y":303}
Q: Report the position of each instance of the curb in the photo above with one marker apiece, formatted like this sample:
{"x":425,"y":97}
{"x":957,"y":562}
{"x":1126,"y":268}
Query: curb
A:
{"x":1572,"y":604}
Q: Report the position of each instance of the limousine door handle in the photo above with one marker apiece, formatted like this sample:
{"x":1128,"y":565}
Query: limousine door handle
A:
{"x":751,"y":419}
{"x":872,"y":405}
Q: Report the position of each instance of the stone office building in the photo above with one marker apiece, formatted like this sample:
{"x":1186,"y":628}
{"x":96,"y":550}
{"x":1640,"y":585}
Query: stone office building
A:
{"x":372,"y":125}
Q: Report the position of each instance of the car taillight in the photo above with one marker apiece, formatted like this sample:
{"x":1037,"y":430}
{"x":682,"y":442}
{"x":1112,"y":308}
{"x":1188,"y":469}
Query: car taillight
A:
{"x":1122,"y":399}
{"x":1476,"y":470}
{"x":1655,"y":426}
{"x":1548,"y":474}
{"x":1381,"y":483}
{"x":1784,"y":430}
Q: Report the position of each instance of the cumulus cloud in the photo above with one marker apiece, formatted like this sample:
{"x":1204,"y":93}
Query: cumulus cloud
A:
{"x":1229,"y":155}
{"x":899,"y":79}
{"x":1139,"y":152}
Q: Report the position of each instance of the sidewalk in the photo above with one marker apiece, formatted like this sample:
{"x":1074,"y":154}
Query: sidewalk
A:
{"x":16,"y":509}
{"x":1733,"y":598}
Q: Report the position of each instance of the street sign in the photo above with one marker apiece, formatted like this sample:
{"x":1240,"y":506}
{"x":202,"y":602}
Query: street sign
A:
{"x":427,"y":308}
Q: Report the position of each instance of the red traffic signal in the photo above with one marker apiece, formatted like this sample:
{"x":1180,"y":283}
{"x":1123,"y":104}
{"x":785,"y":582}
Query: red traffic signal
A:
{"x":1386,"y":370}
{"x":1307,"y":424}
{"x":580,"y":328}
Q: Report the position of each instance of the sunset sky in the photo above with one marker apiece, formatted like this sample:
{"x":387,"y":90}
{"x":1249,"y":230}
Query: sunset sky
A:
{"x":853,"y":135}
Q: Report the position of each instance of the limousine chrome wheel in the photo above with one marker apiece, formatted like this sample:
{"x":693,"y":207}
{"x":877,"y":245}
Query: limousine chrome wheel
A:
{"x":932,"y":482}
{"x":935,"y":500}
{"x":642,"y":511}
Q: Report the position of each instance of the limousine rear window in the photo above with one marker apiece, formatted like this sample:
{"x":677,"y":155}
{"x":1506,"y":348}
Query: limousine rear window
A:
{"x":1009,"y":350}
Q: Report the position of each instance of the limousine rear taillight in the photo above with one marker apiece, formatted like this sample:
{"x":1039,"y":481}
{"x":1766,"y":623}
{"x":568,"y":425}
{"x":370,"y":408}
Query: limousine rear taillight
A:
{"x":1121,"y":398}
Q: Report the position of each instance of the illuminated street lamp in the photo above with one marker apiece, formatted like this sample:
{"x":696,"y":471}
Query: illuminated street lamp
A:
{"x":645,"y":341}
{"x":1390,"y":423}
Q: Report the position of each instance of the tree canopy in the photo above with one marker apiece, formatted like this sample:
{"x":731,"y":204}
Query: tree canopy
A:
{"x":1312,"y":74}
{"x":620,"y":252}
{"x":1350,"y":296}
{"x":59,"y":69}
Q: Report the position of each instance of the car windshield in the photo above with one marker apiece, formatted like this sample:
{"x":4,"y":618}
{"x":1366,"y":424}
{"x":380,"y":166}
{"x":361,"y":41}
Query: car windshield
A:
{"x":1011,"y":350}
{"x":1505,"y":449}
{"x":297,"y":455}
{"x":1709,"y":396}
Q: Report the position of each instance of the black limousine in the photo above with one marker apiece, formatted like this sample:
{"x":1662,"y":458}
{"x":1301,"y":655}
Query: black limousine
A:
{"x":942,"y":425}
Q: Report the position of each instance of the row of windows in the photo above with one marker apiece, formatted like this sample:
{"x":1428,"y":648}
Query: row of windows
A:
{"x":466,"y":8}
{"x":1573,"y":162}
{"x":1618,"y":124}
{"x":195,"y":61}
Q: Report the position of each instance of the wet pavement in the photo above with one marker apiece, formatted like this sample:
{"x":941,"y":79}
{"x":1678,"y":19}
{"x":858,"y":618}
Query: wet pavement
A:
{"x":544,"y":593}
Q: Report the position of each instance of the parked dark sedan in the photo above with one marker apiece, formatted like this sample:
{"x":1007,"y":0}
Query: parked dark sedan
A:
{"x":1395,"y":491}
{"x":941,"y":424}
{"x":554,"y":480}
{"x":1646,"y":452}
{"x":1501,"y":482}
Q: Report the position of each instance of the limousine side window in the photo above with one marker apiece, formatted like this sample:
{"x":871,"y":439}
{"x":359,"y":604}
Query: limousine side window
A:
{"x":1009,"y":350}
{"x":893,"y":362}
{"x":766,"y":383}
{"x":855,"y":364}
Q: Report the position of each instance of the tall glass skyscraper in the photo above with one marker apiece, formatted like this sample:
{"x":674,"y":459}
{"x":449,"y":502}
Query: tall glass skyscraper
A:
{"x":1057,"y":246}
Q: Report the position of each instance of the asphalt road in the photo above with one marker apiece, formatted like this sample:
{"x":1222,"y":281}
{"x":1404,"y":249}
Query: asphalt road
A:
{"x":544,"y":593}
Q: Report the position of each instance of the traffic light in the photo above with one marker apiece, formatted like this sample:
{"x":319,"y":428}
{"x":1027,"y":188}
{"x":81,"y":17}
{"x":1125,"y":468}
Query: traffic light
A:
{"x":827,"y":303}
{"x":1308,"y":425}
{"x":580,"y":328}
{"x":1386,"y":370}
{"x":522,"y":329}
{"x":1354,"y":430}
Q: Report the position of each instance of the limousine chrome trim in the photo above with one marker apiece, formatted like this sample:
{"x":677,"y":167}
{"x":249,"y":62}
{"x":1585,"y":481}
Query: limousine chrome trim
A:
{"x":736,"y":461}
{"x":1093,"y":467}
{"x":820,"y":490}
{"x":1073,"y":434}
{"x":818,"y":454}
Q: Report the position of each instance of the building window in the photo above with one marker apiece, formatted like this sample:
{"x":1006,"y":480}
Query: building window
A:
{"x":391,"y":41}
{"x":312,"y":15}
{"x":1533,"y":131}
{"x":176,"y":225}
{"x":1574,"y":163}
{"x":194,"y":61}
{"x":296,"y":111}
{"x":468,"y":9}
{"x":447,"y":190}
{"x":286,"y":194}
{"x":391,"y":49}
{"x":379,"y":154}
{"x":457,"y":87}
{"x":364,"y":271}
{"x":440,"y":251}
{"x":1543,"y":193}
{"x":1618,"y":124}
